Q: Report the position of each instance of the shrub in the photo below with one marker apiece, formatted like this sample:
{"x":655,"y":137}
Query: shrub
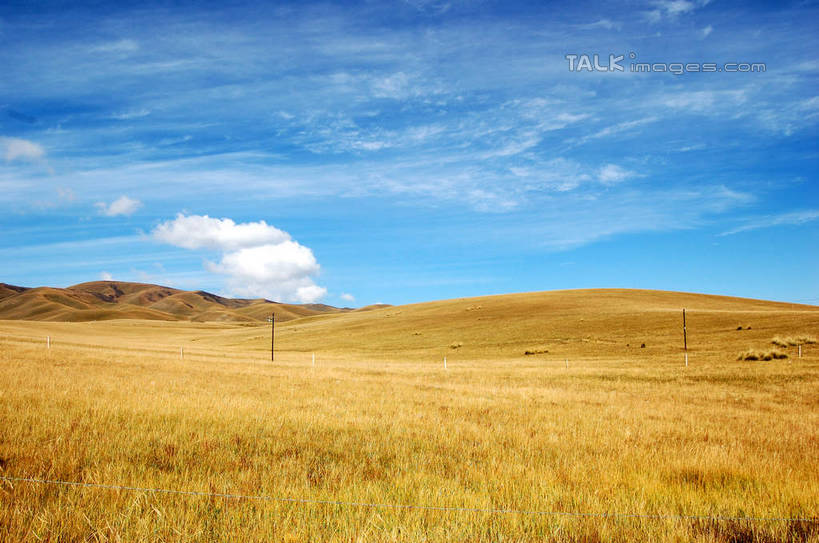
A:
{"x":793,"y":341}
{"x":529,"y":352}
{"x":752,"y":354}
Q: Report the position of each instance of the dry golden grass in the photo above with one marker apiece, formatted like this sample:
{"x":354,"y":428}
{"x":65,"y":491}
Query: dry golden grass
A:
{"x":754,"y":355}
{"x":623,"y":430}
{"x":793,"y":341}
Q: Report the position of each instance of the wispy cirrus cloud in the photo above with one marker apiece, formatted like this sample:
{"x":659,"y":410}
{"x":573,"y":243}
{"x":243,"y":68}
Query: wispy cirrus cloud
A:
{"x":792,"y":218}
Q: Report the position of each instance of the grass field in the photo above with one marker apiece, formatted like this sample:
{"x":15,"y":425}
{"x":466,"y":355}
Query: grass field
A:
{"x":625,"y":429}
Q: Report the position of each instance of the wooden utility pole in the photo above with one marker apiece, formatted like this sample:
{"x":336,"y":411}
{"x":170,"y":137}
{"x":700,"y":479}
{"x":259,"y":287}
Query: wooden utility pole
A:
{"x":272,"y":320}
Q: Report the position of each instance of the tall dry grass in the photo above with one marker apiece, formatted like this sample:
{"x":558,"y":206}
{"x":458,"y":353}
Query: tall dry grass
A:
{"x":622,"y":435}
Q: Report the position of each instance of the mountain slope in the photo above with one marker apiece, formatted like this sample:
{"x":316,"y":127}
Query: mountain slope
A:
{"x":556,"y":324}
{"x":106,"y":300}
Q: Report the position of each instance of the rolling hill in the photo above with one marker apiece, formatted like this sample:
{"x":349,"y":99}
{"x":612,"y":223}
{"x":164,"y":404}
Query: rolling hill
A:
{"x":592,"y":323}
{"x":621,"y":324}
{"x":107,"y":300}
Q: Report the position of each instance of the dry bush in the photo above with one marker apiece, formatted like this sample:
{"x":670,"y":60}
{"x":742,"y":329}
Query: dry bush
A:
{"x":753,"y":354}
{"x":793,"y":341}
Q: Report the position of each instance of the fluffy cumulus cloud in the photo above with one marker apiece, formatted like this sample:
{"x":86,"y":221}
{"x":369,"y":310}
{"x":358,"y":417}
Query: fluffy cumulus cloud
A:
{"x":257,"y":259}
{"x":121,"y":206}
{"x":201,"y":231}
{"x":20,"y":149}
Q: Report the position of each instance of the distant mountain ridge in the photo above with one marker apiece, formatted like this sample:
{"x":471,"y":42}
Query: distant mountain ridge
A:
{"x":105,"y":300}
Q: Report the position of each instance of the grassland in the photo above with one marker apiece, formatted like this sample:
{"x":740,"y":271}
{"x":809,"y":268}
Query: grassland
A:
{"x":624,"y":429}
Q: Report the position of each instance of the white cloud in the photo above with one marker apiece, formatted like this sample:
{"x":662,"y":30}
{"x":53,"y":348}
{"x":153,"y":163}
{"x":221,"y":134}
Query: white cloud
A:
{"x":105,"y":276}
{"x":608,"y":24}
{"x":564,"y":175}
{"x":394,"y":86}
{"x":810,"y":103}
{"x":121,"y":206}
{"x":489,"y":201}
{"x":201,"y":231}
{"x":706,"y":31}
{"x":347,"y":297}
{"x":258,"y":259}
{"x":612,"y":173}
{"x":673,"y":8}
{"x":616,"y":129}
{"x":132,"y":114}
{"x":700,"y":101}
{"x":653,"y":16}
{"x":20,"y":149}
{"x":793,"y":218}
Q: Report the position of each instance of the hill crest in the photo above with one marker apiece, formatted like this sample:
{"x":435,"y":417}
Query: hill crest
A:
{"x":106,"y":300}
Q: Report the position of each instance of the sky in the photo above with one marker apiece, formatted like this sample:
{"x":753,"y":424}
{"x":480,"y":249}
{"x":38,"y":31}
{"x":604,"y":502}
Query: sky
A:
{"x":353,"y":153}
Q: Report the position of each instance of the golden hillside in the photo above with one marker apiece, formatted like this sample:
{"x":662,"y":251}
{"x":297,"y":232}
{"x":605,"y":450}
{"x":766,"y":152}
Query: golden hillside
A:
{"x":612,"y":324}
{"x":107,"y":300}
{"x":609,"y":323}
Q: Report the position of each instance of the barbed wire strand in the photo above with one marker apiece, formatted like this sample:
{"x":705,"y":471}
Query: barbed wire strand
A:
{"x":312,"y":501}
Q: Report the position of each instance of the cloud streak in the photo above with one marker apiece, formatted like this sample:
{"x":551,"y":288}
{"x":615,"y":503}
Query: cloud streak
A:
{"x":793,"y":218}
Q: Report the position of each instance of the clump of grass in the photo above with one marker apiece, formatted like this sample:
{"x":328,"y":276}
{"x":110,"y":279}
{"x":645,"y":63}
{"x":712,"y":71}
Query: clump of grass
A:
{"x":793,"y":341}
{"x":753,"y":354}
{"x":537,"y":350}
{"x":456,"y":345}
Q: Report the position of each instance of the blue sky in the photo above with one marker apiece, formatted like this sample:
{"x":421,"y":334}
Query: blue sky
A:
{"x":355,"y":153}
